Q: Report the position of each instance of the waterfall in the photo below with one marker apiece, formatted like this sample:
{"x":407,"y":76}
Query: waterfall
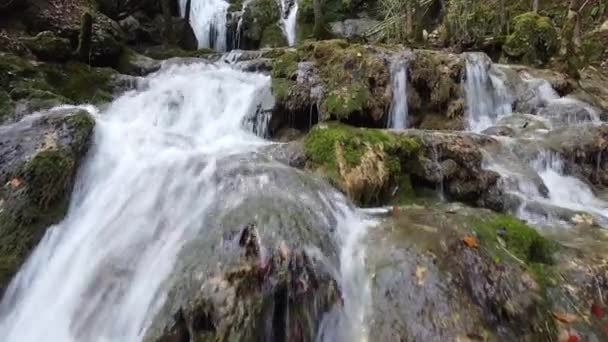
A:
{"x":149,"y":186}
{"x":208,"y":21}
{"x":487,"y":98}
{"x":289,"y":16}
{"x":399,"y":110}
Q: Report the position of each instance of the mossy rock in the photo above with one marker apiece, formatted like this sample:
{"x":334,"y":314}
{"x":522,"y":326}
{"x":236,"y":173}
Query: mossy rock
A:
{"x":356,"y":78}
{"x":594,"y":47}
{"x":38,"y":172}
{"x":49,"y":47}
{"x":344,"y":154}
{"x":80,"y":83}
{"x":258,"y":16}
{"x":534,"y":39}
{"x":272,"y":37}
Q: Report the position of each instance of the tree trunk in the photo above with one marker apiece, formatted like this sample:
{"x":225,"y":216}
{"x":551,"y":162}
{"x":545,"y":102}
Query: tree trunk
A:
{"x":535,"y":6}
{"x":569,"y":48}
{"x":418,"y":21}
{"x":502,"y":16}
{"x":319,"y":25}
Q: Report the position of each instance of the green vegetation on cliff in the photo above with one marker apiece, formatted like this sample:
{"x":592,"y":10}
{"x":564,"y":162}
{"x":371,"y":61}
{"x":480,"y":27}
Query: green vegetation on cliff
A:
{"x":533,"y":39}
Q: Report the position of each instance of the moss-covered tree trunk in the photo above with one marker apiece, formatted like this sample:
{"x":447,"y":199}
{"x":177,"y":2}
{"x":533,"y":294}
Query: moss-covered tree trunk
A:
{"x":535,"y":6}
{"x":319,"y":25}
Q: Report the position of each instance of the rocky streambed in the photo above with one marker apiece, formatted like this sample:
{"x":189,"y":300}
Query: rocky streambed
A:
{"x":483,"y":220}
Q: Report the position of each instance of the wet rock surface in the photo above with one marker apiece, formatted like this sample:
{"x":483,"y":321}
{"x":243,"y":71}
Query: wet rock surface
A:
{"x":251,"y":274}
{"x":451,"y":277}
{"x":39,"y":157}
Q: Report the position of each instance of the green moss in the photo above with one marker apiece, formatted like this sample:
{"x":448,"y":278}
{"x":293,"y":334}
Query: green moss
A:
{"x":272,"y":37}
{"x":281,"y":89}
{"x":259,"y":15}
{"x":405,"y":193}
{"x":533,"y":40}
{"x":82,"y":125}
{"x":49,"y":47}
{"x":341,"y":102}
{"x":80,"y":83}
{"x":521,"y":240}
{"x":285,"y":65}
{"x":352,"y":75}
{"x":47,"y":176}
{"x":321,"y":142}
{"x":6,"y":106}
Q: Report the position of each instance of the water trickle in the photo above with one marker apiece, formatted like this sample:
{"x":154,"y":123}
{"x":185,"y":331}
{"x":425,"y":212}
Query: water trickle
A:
{"x":149,"y":185}
{"x":208,"y":21}
{"x":487,"y":97}
{"x":289,"y":15}
{"x":399,"y":110}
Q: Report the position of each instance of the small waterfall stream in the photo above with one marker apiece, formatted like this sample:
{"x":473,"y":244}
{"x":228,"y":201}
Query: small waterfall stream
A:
{"x":151,"y":184}
{"x":530,"y":173}
{"x":487,"y":99}
{"x":289,"y":15}
{"x":208,"y":21}
{"x":399,"y":109}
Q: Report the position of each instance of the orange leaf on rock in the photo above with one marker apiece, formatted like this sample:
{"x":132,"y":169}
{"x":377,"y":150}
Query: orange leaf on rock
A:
{"x":564,"y":317}
{"x":470,"y":241}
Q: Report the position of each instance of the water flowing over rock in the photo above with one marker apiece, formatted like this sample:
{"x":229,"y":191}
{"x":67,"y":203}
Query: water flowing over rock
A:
{"x":289,"y":14}
{"x":168,"y":234}
{"x":398,"y":112}
{"x":486,"y":96}
{"x":208,"y":20}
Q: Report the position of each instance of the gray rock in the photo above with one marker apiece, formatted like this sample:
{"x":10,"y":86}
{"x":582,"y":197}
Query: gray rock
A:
{"x":353,"y":28}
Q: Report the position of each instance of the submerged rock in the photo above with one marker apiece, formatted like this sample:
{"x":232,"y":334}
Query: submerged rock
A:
{"x":39,"y":157}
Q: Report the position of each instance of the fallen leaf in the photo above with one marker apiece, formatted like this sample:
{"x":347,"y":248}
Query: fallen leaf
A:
{"x":15,"y":183}
{"x":564,"y":317}
{"x":597,"y":310}
{"x":573,"y":338}
{"x":470,"y":241}
{"x":420,"y":275}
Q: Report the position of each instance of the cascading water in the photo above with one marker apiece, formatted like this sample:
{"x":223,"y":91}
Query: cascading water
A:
{"x":289,"y":15}
{"x":487,"y":99}
{"x":399,"y":110}
{"x":208,"y":21}
{"x":543,"y":192}
{"x":147,"y":188}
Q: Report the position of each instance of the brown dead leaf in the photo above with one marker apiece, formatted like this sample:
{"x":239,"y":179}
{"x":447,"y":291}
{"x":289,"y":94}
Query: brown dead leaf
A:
{"x":470,"y":241}
{"x":564,"y":317}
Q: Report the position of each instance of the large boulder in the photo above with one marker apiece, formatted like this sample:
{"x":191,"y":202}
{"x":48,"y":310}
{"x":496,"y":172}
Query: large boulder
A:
{"x":39,"y":157}
{"x":254,"y":272}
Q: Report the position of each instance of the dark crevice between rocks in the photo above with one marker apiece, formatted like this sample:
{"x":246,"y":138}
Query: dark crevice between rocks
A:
{"x":302,"y":120}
